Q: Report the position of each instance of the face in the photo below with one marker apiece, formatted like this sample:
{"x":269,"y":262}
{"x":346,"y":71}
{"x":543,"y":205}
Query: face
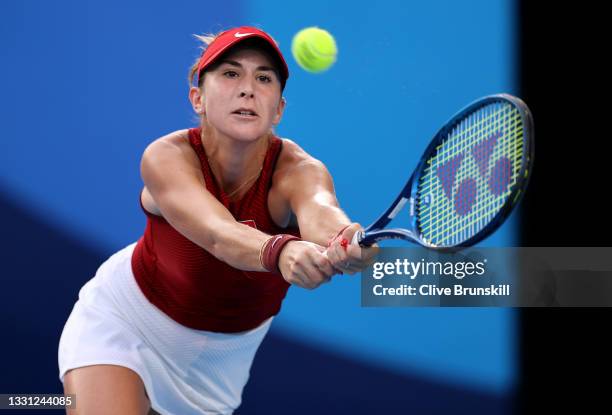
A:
{"x":241,"y":97}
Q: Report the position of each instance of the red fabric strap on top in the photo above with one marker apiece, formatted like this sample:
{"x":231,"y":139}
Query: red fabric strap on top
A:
{"x":272,"y":249}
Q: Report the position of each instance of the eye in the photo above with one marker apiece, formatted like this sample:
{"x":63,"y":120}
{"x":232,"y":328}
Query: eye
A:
{"x":230,"y":74}
{"x":264,"y":78}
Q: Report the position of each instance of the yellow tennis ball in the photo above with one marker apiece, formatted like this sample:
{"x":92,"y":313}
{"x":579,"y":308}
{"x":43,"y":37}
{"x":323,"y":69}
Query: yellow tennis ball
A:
{"x":314,"y":49}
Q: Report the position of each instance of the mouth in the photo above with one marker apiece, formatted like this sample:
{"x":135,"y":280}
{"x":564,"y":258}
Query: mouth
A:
{"x":246,"y":113}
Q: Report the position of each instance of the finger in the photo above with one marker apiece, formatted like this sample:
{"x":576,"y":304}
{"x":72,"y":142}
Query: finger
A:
{"x":370,"y":253}
{"x":326,"y":255}
{"x":299,"y":279}
{"x":346,"y":261}
{"x":352,"y":268}
{"x":314,"y":275}
{"x":352,"y":265}
{"x":359,"y":262}
{"x":333,"y":254}
{"x":361,"y":258}
{"x":346,"y":268}
{"x":325,"y":266}
{"x":306,"y":273}
{"x":319,"y":258}
{"x":355,"y":252}
{"x":355,"y":270}
{"x":341,"y":261}
{"x":325,"y":270}
{"x":350,"y":231}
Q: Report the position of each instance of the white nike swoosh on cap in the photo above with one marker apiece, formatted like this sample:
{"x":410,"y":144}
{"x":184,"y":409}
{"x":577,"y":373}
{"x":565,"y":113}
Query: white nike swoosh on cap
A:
{"x":238,"y":34}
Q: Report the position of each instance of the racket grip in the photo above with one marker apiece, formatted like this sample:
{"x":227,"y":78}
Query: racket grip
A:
{"x":357,"y":237}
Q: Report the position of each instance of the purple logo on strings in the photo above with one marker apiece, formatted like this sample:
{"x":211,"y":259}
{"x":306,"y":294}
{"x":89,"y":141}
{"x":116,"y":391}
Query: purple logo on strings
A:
{"x":466,"y":194}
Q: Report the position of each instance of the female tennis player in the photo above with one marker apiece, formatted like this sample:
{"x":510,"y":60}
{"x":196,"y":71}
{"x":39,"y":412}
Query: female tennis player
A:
{"x":235,"y":215}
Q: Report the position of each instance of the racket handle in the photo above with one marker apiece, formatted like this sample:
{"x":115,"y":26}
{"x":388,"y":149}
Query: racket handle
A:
{"x":357,"y":238}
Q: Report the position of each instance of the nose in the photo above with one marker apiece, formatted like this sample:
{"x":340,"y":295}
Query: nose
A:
{"x":246,"y":88}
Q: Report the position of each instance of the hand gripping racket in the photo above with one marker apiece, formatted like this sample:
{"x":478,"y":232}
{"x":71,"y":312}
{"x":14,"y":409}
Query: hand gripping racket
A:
{"x":468,"y":180}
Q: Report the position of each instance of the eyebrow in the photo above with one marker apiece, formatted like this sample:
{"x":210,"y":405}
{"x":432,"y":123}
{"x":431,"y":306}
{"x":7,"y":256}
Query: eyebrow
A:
{"x":237,"y":64}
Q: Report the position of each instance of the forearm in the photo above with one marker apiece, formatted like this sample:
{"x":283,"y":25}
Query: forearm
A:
{"x":322,"y":224}
{"x":232,"y":242}
{"x":239,"y":246}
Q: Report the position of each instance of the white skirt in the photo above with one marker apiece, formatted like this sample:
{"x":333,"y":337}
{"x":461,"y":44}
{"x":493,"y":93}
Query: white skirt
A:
{"x":185,"y":371}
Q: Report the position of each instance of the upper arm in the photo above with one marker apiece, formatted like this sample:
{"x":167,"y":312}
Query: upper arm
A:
{"x":167,"y":168}
{"x":310,"y":186}
{"x":172,"y":174}
{"x":309,"y":189}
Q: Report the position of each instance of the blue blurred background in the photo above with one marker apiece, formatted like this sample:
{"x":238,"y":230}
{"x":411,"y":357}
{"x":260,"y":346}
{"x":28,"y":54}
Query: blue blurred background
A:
{"x":86,"y":85}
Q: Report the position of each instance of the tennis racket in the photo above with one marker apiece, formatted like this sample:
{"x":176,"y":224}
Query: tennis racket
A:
{"x":469,"y":179}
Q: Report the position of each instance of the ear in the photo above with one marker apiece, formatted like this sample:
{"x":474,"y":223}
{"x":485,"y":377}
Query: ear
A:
{"x":279,"y":111}
{"x":197,"y":100}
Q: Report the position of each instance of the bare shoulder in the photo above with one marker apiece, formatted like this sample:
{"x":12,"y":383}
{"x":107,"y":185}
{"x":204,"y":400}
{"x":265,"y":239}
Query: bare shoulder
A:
{"x":294,"y":159}
{"x":163,"y":160}
{"x":177,"y":137}
{"x":174,"y":143}
{"x":172,"y":148}
{"x":297,"y":172}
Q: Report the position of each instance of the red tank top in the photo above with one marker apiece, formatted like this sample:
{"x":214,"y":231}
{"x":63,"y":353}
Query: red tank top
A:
{"x":192,"y":286}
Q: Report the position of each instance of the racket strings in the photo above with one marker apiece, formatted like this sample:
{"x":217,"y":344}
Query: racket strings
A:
{"x":471,"y":175}
{"x":464,"y":203}
{"x":442,"y":159}
{"x":456,"y":226}
{"x":448,"y":149}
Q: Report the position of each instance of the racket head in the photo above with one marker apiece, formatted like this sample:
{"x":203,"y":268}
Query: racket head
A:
{"x":473,"y":173}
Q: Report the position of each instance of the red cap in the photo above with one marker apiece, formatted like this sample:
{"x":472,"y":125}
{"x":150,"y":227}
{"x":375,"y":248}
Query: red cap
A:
{"x":230,"y":38}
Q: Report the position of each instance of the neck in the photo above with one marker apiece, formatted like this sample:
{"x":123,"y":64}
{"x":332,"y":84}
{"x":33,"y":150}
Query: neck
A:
{"x":233,"y":161}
